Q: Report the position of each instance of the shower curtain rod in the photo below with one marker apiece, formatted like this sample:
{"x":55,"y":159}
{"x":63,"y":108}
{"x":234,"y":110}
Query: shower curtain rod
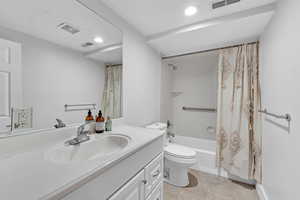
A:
{"x":205,"y":51}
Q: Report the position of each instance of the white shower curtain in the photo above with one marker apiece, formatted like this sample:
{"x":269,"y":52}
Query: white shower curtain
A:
{"x":239,"y":122}
{"x":112,"y":93}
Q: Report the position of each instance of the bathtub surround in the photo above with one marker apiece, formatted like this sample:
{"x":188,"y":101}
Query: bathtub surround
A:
{"x":46,"y":67}
{"x":280,"y":69}
{"x":190,"y":81}
{"x":239,"y":122}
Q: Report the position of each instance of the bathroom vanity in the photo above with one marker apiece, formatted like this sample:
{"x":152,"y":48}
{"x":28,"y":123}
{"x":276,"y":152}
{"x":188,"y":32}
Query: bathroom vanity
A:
{"x":126,"y":163}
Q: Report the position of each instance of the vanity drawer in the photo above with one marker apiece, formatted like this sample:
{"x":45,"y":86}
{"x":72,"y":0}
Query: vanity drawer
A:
{"x":153,"y":174}
{"x":157,"y":194}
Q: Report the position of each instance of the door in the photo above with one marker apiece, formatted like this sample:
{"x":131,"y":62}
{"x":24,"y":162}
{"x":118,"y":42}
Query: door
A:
{"x":10,"y":82}
{"x":133,"y":190}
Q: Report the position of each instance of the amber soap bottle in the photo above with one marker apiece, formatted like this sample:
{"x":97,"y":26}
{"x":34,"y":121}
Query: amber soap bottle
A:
{"x":100,"y":125}
{"x":89,"y":117}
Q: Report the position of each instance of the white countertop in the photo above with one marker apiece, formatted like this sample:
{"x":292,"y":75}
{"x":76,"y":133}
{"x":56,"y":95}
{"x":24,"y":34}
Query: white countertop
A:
{"x":27,"y":175}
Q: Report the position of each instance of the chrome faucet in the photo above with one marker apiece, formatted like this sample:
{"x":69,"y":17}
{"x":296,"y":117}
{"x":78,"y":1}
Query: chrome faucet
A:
{"x":169,"y":134}
{"x":82,"y":136}
{"x":80,"y":130}
{"x":59,"y":124}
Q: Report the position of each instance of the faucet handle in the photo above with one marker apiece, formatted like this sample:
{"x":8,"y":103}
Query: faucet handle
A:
{"x":170,"y":134}
{"x":59,"y":124}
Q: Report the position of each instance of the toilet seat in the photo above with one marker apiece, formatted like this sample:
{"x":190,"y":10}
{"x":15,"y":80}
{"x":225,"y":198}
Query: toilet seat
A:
{"x":184,"y":156}
{"x":179,"y":151}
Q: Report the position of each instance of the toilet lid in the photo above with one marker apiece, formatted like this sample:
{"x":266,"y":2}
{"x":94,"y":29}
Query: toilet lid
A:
{"x":179,"y":151}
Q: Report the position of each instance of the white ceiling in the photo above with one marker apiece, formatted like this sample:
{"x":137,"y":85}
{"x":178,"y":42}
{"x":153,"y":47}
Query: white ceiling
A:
{"x":156,"y":16}
{"x":108,"y":55}
{"x":170,"y":32}
{"x":40,"y":18}
{"x":162,"y":21}
{"x":223,"y":34}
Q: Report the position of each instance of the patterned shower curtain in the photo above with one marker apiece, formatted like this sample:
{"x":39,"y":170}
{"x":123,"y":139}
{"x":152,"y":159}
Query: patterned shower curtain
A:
{"x":112,"y":93}
{"x":238,"y":121}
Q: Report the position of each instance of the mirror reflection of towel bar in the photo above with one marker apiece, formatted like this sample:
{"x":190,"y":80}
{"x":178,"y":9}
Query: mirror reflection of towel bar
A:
{"x":199,"y":109}
{"x":68,"y":107}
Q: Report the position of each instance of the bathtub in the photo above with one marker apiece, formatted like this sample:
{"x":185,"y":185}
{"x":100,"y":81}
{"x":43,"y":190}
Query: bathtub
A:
{"x":205,"y":153}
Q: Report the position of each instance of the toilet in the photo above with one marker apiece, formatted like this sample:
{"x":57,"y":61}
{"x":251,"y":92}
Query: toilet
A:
{"x":177,"y":159}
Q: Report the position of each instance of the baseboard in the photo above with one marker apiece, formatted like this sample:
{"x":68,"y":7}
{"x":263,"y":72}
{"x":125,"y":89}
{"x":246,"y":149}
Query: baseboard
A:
{"x":213,"y":171}
{"x":262,"y":195}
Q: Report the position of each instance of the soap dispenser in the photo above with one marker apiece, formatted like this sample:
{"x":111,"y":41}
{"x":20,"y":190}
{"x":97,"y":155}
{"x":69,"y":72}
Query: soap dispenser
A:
{"x":89,"y":119}
{"x":100,"y":123}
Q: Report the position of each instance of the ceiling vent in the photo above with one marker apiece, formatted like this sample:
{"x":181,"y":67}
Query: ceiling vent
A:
{"x":69,"y":28}
{"x":87,"y":44}
{"x":221,"y":3}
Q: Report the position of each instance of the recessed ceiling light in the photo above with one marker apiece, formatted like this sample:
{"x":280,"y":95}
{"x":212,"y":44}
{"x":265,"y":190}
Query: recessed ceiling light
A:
{"x":98,"y":40}
{"x":191,"y":10}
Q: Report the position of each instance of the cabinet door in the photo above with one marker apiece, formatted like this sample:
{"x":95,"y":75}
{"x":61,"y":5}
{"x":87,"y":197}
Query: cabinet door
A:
{"x":133,"y":190}
{"x":153,"y":174}
{"x":157,"y":194}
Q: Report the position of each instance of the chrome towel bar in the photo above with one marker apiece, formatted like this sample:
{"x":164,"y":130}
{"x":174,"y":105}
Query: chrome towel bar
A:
{"x":199,"y":109}
{"x":287,"y":117}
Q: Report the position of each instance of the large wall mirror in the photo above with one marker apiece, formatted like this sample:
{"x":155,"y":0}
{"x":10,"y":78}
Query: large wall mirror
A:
{"x":58,"y":59}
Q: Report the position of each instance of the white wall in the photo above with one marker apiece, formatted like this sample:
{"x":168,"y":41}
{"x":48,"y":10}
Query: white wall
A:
{"x":195,"y":80}
{"x":142,"y":69}
{"x":166,"y":99}
{"x":280,"y":71}
{"x":54,"y":76}
{"x":141,"y":81}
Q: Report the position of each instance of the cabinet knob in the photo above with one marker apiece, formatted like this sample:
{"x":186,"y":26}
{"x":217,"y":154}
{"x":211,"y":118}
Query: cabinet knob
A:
{"x":145,"y":182}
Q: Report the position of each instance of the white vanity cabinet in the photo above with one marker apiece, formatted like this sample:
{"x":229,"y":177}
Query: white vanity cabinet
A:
{"x":133,"y":190}
{"x":146,"y":185}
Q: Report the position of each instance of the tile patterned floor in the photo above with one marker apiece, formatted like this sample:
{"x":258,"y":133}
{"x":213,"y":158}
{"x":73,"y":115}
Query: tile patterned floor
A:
{"x":209,"y":187}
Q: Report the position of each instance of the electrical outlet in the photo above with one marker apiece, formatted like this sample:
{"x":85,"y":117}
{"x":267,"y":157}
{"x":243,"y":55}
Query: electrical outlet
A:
{"x":22,"y":118}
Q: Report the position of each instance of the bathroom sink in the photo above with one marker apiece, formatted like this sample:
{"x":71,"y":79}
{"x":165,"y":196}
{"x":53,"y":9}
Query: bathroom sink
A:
{"x":98,"y":146}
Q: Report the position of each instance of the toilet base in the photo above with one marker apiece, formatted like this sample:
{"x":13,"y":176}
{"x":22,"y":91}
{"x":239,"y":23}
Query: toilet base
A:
{"x":176,"y":174}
